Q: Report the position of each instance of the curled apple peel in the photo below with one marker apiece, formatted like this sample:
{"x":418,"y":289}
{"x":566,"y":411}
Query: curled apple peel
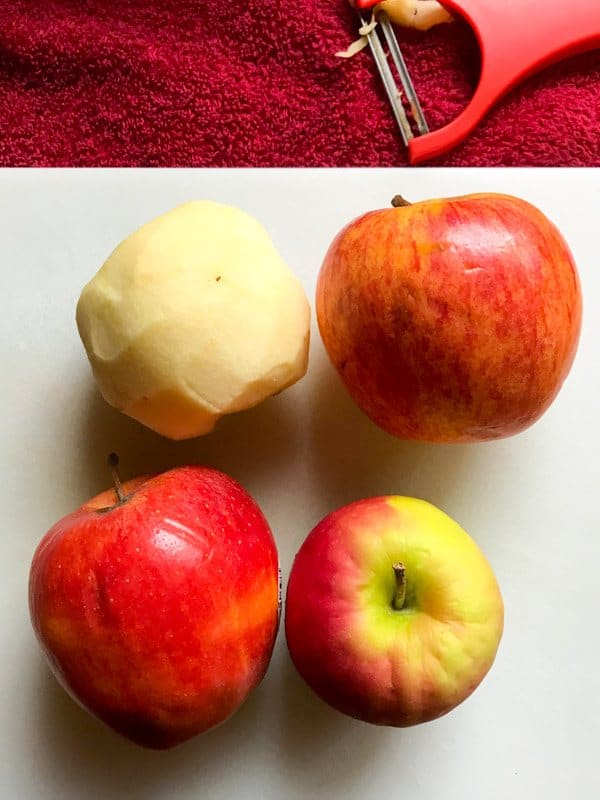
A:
{"x":192,"y":317}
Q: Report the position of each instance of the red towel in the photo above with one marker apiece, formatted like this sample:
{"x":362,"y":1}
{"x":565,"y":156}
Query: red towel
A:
{"x":256,"y":83}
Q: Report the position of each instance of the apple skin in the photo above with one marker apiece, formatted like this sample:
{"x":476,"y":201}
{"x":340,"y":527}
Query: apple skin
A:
{"x":360,"y":654}
{"x":451,"y":320}
{"x":159,"y":615}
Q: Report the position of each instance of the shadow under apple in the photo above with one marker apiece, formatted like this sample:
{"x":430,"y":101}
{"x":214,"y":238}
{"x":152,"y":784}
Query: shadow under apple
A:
{"x":353,"y":458}
{"x":316,"y":739}
{"x":243,"y":445}
{"x":91,"y":755}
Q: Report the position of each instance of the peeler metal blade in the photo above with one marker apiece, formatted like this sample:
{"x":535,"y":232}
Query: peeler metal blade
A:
{"x":516,"y":38}
{"x":385,"y":47}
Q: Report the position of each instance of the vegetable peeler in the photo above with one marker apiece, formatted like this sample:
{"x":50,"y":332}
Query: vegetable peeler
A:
{"x":516,"y":38}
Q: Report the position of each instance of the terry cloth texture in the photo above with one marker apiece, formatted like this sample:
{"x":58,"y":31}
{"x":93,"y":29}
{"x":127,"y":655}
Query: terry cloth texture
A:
{"x":256,"y":83}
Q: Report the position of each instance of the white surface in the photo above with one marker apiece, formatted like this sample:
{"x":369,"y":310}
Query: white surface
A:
{"x":532,"y":729}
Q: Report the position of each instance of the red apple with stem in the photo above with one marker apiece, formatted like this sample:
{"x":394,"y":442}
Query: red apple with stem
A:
{"x":451,"y":320}
{"x":157,"y":603}
{"x":393,"y":615}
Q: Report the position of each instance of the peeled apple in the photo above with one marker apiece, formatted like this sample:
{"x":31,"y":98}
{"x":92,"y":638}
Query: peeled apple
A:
{"x":194,"y":316}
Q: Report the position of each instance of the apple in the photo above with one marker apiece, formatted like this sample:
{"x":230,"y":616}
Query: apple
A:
{"x":452,"y":320}
{"x":419,"y":14}
{"x":194,"y":316}
{"x":393,"y":615}
{"x":157,"y":604}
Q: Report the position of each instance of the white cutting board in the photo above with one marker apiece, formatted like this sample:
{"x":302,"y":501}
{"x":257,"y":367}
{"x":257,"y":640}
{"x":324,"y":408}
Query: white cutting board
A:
{"x":532,"y":730}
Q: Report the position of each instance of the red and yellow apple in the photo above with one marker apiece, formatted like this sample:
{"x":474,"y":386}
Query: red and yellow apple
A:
{"x":393,"y":615}
{"x":157,"y":607}
{"x":451,"y":320}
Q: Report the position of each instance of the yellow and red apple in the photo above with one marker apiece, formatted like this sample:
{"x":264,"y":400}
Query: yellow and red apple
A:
{"x":158,"y":607}
{"x":393,"y":614}
{"x":451,"y":320}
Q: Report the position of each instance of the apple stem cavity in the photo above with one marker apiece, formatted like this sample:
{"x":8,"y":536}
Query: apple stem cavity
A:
{"x":399,"y":202}
{"x":400,"y":595}
{"x":113,"y":463}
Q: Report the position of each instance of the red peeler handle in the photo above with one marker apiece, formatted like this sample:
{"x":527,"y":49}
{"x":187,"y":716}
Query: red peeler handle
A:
{"x":516,"y":38}
{"x":364,"y":5}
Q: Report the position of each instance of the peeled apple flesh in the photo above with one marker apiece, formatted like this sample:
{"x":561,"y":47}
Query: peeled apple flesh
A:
{"x":419,"y":14}
{"x":192,"y":317}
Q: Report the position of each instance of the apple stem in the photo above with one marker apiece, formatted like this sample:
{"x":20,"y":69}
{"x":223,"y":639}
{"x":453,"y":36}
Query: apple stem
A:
{"x":399,"y":202}
{"x":113,"y":463}
{"x":400,"y":596}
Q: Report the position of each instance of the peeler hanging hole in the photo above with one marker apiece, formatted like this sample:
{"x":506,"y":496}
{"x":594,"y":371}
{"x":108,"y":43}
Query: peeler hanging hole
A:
{"x":456,"y":72}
